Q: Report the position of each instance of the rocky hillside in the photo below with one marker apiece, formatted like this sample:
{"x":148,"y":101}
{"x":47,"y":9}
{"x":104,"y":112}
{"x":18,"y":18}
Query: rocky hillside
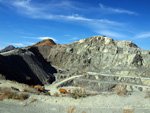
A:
{"x":99,"y":54}
{"x":26,"y":66}
{"x":8,"y":48}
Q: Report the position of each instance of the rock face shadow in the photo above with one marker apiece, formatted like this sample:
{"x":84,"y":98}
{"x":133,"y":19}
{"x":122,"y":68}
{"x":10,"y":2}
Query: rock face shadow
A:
{"x":27,"y":67}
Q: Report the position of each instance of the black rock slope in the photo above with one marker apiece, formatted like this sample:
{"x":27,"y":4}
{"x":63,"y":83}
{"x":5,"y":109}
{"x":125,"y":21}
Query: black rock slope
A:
{"x":25,"y":66}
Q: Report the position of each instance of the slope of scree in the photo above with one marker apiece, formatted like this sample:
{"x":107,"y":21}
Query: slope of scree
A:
{"x":25,"y":66}
{"x":99,"y":54}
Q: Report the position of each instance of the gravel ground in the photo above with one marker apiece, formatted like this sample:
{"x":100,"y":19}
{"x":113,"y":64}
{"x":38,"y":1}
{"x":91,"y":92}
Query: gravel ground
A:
{"x":94,"y":104}
{"x":102,"y":103}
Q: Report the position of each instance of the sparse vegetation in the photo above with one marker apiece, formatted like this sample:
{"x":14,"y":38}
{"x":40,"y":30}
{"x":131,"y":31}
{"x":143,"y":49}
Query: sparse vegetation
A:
{"x":78,"y":93}
{"x":33,"y":100}
{"x":47,"y":93}
{"x":16,"y":89}
{"x":128,"y":111}
{"x":120,"y":90}
{"x":56,"y":94}
{"x":30,"y":90}
{"x":6,"y":93}
{"x":71,"y":109}
{"x":147,"y":94}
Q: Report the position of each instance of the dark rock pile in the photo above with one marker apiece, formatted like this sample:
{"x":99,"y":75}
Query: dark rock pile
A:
{"x":25,"y":66}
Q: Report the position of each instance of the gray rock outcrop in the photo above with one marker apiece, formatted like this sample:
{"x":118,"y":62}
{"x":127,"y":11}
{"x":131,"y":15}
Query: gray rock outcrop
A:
{"x":100,"y":54}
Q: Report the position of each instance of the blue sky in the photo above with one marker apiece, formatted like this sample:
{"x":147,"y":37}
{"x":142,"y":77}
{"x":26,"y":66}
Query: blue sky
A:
{"x":25,"y":22}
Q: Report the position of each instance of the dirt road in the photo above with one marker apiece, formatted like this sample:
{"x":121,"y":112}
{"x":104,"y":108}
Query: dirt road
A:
{"x":53,"y":87}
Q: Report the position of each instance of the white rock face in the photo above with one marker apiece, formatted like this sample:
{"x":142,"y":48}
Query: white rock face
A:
{"x":102,"y":54}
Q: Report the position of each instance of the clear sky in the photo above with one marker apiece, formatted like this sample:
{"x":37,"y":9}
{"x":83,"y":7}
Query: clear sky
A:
{"x":25,"y":22}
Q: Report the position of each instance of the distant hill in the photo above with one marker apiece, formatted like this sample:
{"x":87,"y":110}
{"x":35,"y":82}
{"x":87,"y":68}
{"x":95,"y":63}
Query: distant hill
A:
{"x":8,"y":48}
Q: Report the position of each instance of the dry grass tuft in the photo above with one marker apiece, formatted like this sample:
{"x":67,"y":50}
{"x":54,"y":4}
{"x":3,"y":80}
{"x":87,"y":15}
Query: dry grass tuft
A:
{"x":56,"y":94}
{"x":30,"y":90}
{"x":47,"y":93}
{"x":33,"y":100}
{"x":6,"y":93}
{"x":147,"y":94}
{"x":25,"y":105}
{"x":120,"y":90}
{"x":71,"y":109}
{"x":16,"y":89}
{"x":78,"y":93}
{"x":3,"y":92}
{"x":128,"y":111}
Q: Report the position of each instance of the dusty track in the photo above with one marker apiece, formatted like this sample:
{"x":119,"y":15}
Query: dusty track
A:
{"x":53,"y":87}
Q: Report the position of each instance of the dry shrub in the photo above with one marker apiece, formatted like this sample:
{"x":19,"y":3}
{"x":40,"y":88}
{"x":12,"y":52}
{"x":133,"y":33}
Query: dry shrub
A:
{"x":25,"y":105}
{"x":91,"y":94}
{"x":128,"y":111}
{"x":2,"y":97}
{"x":71,"y":109}
{"x":7,"y":94}
{"x":147,"y":94}
{"x":16,"y":89}
{"x":22,"y":96}
{"x":78,"y":93}
{"x":33,"y":100}
{"x":4,"y":91}
{"x":56,"y":94}
{"x":64,"y":95}
{"x":47,"y":93}
{"x":30,"y":90}
{"x":120,"y":90}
